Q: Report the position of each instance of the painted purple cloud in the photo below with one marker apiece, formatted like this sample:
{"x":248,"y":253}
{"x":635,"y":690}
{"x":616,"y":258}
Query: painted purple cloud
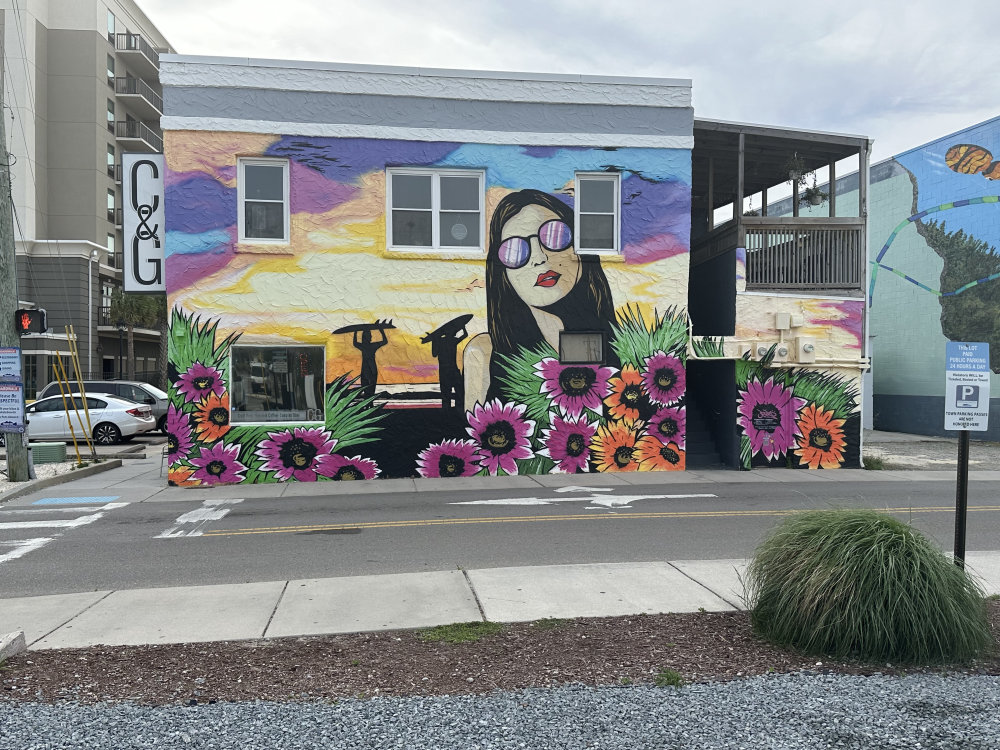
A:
{"x":199,"y":203}
{"x":313,"y":193}
{"x":344,"y":159}
{"x":656,"y":219}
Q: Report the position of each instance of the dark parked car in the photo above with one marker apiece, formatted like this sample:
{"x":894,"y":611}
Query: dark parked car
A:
{"x":132,"y":390}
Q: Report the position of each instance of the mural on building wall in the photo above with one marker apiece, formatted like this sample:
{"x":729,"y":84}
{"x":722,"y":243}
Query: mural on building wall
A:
{"x":796,"y":417}
{"x":955,"y":183}
{"x":434,"y":364}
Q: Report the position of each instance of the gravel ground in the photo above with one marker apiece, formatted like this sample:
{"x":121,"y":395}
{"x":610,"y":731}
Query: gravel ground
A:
{"x":785,"y":711}
{"x":581,"y":683}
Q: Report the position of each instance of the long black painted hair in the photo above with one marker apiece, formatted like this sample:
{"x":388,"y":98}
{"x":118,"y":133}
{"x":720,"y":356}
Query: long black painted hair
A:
{"x":587,"y":306}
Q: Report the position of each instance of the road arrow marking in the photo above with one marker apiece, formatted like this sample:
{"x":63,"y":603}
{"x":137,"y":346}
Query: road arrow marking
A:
{"x":209,"y":511}
{"x":583,"y":489}
{"x":607,"y":501}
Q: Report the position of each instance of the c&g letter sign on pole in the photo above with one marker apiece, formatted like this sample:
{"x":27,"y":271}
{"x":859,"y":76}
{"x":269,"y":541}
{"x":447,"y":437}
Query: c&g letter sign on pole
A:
{"x":966,"y":407}
{"x":142,"y":194}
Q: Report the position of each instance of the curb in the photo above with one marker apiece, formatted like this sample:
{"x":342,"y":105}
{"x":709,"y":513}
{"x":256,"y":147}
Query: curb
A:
{"x":32,"y":485}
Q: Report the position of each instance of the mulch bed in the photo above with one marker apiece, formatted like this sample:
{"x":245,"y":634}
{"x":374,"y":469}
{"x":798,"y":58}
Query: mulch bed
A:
{"x":590,"y":651}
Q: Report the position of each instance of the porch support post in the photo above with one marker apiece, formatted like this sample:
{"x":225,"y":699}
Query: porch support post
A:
{"x":833,"y":189}
{"x":711,"y":193}
{"x":738,"y":204}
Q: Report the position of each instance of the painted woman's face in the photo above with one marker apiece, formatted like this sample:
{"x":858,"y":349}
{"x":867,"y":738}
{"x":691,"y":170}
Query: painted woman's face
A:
{"x":548,"y":274}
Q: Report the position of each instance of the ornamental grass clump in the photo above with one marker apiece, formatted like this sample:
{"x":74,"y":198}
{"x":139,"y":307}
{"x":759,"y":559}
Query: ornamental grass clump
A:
{"x":860,"y":584}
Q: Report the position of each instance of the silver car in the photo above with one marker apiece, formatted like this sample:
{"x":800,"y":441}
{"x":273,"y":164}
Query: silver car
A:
{"x":131,"y":390}
{"x":111,"y":418}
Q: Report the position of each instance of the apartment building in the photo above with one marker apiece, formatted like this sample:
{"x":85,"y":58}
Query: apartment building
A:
{"x":81,"y":88}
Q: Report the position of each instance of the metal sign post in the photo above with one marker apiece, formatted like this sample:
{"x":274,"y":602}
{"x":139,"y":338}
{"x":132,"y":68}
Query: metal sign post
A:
{"x":966,"y":407}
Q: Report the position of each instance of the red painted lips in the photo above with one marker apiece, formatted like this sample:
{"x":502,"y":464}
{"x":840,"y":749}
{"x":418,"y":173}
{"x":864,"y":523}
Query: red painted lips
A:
{"x":547,"y":279}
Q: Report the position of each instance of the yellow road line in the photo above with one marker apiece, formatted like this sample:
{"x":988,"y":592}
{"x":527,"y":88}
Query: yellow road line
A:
{"x":577,"y":517}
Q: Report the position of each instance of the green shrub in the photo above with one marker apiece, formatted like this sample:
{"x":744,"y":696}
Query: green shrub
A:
{"x":856,"y":583}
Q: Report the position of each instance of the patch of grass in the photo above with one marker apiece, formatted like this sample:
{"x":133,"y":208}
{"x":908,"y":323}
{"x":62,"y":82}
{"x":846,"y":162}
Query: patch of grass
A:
{"x":550,"y":623}
{"x":354,"y":662}
{"x":873,"y":463}
{"x":861,"y":584}
{"x":625,"y":681}
{"x":993,"y":598}
{"x":668,"y":678}
{"x":459,"y":632}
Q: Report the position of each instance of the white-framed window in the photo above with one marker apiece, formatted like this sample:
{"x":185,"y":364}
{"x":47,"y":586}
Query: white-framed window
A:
{"x":581,"y":347}
{"x":111,"y":71}
{"x":277,"y":383}
{"x":111,"y":116}
{"x":111,"y":27}
{"x":434,"y":209}
{"x":263,"y":200}
{"x":111,"y":160}
{"x":598,"y":212}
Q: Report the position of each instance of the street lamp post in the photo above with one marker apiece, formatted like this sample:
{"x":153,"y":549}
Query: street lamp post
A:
{"x":121,"y":330}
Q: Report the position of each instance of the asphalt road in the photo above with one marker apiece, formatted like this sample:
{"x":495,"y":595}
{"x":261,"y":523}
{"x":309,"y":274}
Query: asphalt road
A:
{"x":125,"y":543}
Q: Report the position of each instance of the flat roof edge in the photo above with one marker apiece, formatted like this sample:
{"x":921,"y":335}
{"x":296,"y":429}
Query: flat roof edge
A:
{"x":773,"y":130}
{"x":421,"y":71}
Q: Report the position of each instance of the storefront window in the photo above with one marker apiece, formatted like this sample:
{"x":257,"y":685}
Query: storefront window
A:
{"x":277,"y":384}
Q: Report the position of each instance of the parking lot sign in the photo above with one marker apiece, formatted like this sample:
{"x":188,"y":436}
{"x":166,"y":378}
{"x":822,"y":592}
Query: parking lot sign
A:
{"x":967,"y":386}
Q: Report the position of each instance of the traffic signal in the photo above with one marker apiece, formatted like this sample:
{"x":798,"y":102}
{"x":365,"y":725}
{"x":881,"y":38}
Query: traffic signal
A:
{"x":30,"y":321}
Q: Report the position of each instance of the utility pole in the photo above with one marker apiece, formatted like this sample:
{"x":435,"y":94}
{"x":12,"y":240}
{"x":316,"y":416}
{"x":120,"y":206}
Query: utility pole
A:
{"x":17,"y":445}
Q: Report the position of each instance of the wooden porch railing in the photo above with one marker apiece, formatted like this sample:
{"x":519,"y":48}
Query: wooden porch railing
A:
{"x":804,"y":253}
{"x":792,"y":252}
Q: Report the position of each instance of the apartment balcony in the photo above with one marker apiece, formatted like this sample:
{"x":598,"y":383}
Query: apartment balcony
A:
{"x":138,"y":54}
{"x":140,"y":97}
{"x":133,"y":135}
{"x":116,"y":216}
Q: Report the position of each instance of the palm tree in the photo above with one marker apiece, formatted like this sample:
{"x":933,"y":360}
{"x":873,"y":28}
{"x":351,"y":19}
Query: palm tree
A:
{"x":145,"y":311}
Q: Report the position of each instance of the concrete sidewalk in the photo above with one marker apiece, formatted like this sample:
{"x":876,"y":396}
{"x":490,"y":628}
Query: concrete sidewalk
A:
{"x":274,"y":609}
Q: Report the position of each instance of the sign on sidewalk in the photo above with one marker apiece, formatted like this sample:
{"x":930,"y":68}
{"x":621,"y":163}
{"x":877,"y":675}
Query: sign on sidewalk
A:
{"x":967,"y":386}
{"x":11,"y":407}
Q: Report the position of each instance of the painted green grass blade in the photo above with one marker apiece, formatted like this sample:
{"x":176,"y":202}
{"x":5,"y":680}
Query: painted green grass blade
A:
{"x":193,"y":340}
{"x":522,"y":384}
{"x":709,"y":346}
{"x":351,"y":418}
{"x":832,"y":392}
{"x":633,"y":340}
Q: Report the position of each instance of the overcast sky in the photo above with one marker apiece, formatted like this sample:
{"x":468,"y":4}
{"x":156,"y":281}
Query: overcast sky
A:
{"x":902,"y":73}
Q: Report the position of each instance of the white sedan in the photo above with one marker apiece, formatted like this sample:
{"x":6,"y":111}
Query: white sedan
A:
{"x":111,"y":418}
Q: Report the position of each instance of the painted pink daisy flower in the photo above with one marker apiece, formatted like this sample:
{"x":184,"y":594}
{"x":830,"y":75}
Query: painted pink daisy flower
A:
{"x":199,"y":381}
{"x":179,"y":439}
{"x":347,"y":469}
{"x":302,"y":453}
{"x":450,"y":458}
{"x":568,"y":443}
{"x":574,"y":388}
{"x":669,"y":425}
{"x":664,"y":378}
{"x":219,"y":464}
{"x":500,"y":432}
{"x":767,"y":415}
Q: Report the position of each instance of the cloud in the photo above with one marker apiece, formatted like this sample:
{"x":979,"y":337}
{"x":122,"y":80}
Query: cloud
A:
{"x":890,"y":70}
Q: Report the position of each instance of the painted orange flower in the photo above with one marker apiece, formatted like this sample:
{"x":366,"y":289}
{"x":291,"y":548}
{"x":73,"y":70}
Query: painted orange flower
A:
{"x":613,"y":446}
{"x":821,"y":443}
{"x":626,"y":394}
{"x":653,"y":454}
{"x":212,"y":417}
{"x":180,"y":476}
